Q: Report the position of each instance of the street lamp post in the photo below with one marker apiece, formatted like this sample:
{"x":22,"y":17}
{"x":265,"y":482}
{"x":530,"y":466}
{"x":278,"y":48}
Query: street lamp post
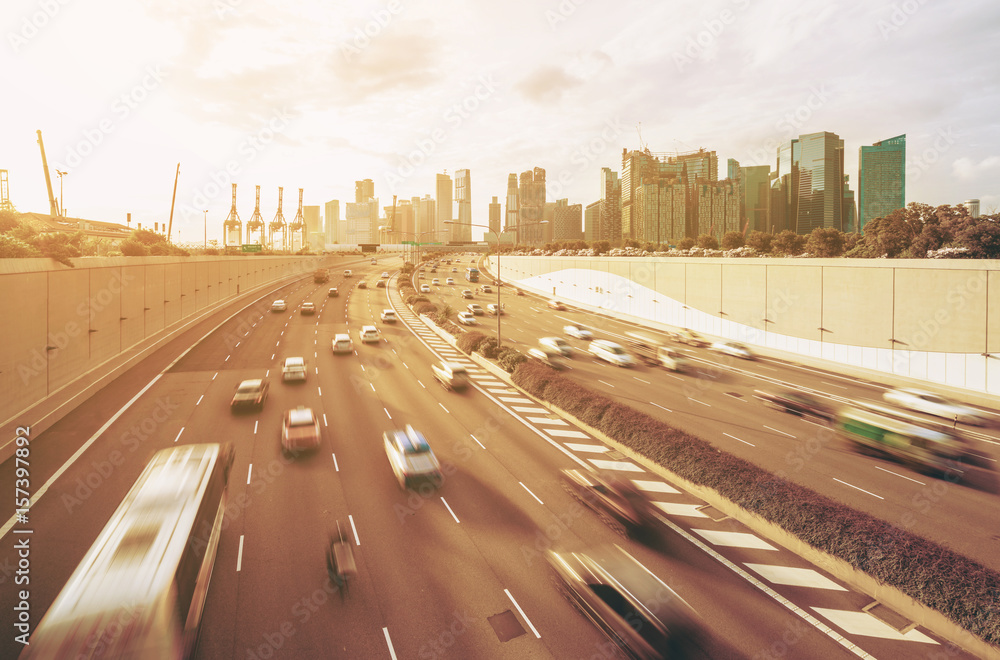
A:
{"x":206,"y":230}
{"x":62,"y":209}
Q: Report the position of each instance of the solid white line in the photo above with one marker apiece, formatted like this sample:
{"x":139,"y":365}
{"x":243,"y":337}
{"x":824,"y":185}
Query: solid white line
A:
{"x":336,"y":467}
{"x":659,"y":406}
{"x":239,"y":557}
{"x":530,"y":493}
{"x":523,"y":616}
{"x":179,"y":434}
{"x":450,"y":511}
{"x":823,"y":382}
{"x":477,"y":441}
{"x":199,"y":399}
{"x":743,"y":441}
{"x":392,"y":652}
{"x":861,"y":489}
{"x":249,"y":472}
{"x":771,"y":428}
{"x":357,"y":541}
{"x":901,"y":475}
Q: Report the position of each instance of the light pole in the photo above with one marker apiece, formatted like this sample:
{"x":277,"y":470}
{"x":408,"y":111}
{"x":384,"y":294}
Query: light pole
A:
{"x":62,"y":210}
{"x":206,"y":230}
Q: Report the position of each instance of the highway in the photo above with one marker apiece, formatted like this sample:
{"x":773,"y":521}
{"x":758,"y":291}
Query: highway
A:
{"x":456,"y":572}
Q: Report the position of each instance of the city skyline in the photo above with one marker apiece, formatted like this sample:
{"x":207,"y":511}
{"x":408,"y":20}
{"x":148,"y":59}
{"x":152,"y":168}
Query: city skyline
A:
{"x":261,"y":94}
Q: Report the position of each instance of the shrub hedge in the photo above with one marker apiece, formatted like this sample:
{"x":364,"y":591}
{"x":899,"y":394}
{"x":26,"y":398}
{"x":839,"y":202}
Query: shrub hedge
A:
{"x":426,"y":308}
{"x":489,"y":348}
{"x":470,"y":341}
{"x":944,"y":580}
{"x":509,"y":358}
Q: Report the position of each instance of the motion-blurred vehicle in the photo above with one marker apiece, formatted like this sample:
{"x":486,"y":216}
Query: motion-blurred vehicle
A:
{"x":348,"y":273}
{"x":294,"y":369}
{"x":299,"y":430}
{"x":494,"y":309}
{"x":342,"y":343}
{"x":250,"y":394}
{"x":550,"y":357}
{"x":388,"y":316}
{"x":451,"y":375}
{"x":557,"y":305}
{"x":467,"y":294}
{"x":935,"y":404}
{"x":384,"y":275}
{"x":557,"y":344}
{"x":307,"y":309}
{"x":369,"y":334}
{"x":798,"y":403}
{"x":380,"y":284}
{"x":691,"y":338}
{"x":436,"y":282}
{"x":486,"y":288}
{"x":615,"y":499}
{"x":475,"y":309}
{"x":670,"y":359}
{"x":467,"y":318}
{"x":578,"y":332}
{"x":374,"y":262}
{"x":320,"y":276}
{"x":518,"y":292}
{"x":449,"y":281}
{"x":362,"y":284}
{"x":643,"y":616}
{"x":333,"y":293}
{"x":454,"y":270}
{"x":278,"y":306}
{"x":424,"y":288}
{"x":733,"y":349}
{"x":610,"y":352}
{"x":926,"y":450}
{"x":412,"y":460}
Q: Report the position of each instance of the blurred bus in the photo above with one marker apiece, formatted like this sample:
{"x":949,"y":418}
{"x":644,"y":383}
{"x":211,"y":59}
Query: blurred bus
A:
{"x":472,"y":274}
{"x":920,"y":446}
{"x":140,"y":590}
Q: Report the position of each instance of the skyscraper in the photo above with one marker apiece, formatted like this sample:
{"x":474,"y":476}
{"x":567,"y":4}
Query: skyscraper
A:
{"x":641,"y":169}
{"x":755,"y":195}
{"x":314,"y":227}
{"x":331,"y":216}
{"x":463,"y":196}
{"x":592,"y":221}
{"x":511,"y":215}
{"x":821,"y":182}
{"x":531,"y":206}
{"x":609,"y":220}
{"x":881,"y":179}
{"x":567,"y":221}
{"x":495,"y":216}
{"x":442,"y":197}
{"x":363,"y":190}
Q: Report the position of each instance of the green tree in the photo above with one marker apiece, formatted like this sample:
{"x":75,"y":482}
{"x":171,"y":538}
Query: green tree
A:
{"x":825,"y":242}
{"x":708,"y":242}
{"x":982,"y":239}
{"x":760,"y":241}
{"x":15,"y":248}
{"x":8,"y":221}
{"x":133,"y":248}
{"x":685,"y":243}
{"x":57,"y":246}
{"x":732,"y":240}
{"x":788,"y":243}
{"x":649,"y":246}
{"x":630,"y":243}
{"x":602,"y":247}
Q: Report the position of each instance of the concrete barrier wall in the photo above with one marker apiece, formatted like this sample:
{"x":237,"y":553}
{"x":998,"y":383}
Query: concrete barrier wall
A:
{"x":927,"y":320}
{"x":61,"y":323}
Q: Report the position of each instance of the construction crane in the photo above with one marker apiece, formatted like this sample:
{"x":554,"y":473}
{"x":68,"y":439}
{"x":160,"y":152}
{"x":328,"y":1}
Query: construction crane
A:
{"x":173,"y":199}
{"x":53,"y":207}
{"x":5,"y":204}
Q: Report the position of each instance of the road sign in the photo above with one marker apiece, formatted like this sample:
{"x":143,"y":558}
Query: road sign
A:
{"x":251,"y":247}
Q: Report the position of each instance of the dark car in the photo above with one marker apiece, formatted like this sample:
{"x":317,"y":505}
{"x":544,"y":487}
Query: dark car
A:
{"x":798,"y":403}
{"x":634,"y":608}
{"x":250,"y":394}
{"x":616,"y":500}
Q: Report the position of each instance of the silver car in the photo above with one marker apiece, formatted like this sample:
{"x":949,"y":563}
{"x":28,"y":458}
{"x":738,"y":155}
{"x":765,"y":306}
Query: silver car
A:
{"x":935,"y":404}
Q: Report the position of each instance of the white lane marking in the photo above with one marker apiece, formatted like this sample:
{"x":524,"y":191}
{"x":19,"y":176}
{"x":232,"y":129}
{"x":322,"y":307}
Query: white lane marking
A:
{"x":641,"y":380}
{"x":624,"y":466}
{"x":388,"y":641}
{"x":477,"y":441}
{"x":794,"y":577}
{"x":199,"y":399}
{"x":734,"y":539}
{"x":336,"y":467}
{"x":239,"y":556}
{"x":741,"y":440}
{"x":823,"y":382}
{"x":863,"y":623}
{"x":324,"y":420}
{"x":249,"y":472}
{"x":701,"y":402}
{"x":227,"y":358}
{"x":182,"y":431}
{"x":595,"y":449}
{"x":214,"y":375}
{"x":547,"y":420}
{"x":861,"y":489}
{"x":362,"y":367}
{"x":255,"y":424}
{"x":523,"y":615}
{"x":272,"y":355}
{"x":655,"y":487}
{"x":421,"y":384}
{"x":530,"y":493}
{"x":564,"y":433}
{"x":450,"y":511}
{"x":515,"y":399}
{"x":372,"y":386}
{"x":771,"y":428}
{"x":605,"y":383}
{"x":387,"y":413}
{"x":676,"y":509}
{"x":357,"y":540}
{"x":529,"y":409}
{"x":902,"y":476}
{"x":443,"y":408}
{"x":661,"y":407}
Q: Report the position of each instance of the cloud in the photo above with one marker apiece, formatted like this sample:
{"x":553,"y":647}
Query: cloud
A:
{"x":966,"y":168}
{"x":546,"y":85}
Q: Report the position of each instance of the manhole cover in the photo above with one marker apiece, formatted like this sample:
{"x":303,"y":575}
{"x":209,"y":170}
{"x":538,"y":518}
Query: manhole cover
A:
{"x":506,"y":626}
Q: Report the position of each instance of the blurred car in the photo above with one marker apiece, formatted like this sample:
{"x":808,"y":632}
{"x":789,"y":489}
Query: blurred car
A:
{"x":294,"y":369}
{"x":452,"y":375}
{"x":388,"y":316}
{"x":278,"y":306}
{"x":798,"y":403}
{"x":436,"y":282}
{"x":548,"y":356}
{"x":424,"y":288}
{"x":628,"y":603}
{"x":449,"y":281}
{"x":578,"y":332}
{"x":670,"y":359}
{"x":250,"y":394}
{"x":611,"y":352}
{"x":733,"y":349}
{"x":557,"y":344}
{"x":691,"y":338}
{"x":467,"y":293}
{"x":307,"y":309}
{"x":369,"y":334}
{"x":486,"y":288}
{"x":348,"y":273}
{"x":299,"y":430}
{"x":614,"y":498}
{"x":494,"y":309}
{"x":362,"y":284}
{"x":374,"y":262}
{"x":475,"y":309}
{"x":930,"y":451}
{"x":936,"y":405}
{"x":384,"y":275}
{"x":556,"y":304}
{"x":467,"y":318}
{"x":342,"y":343}
{"x":333,"y":293}
{"x":379,"y":284}
{"x":412,"y":460}
{"x":454,"y":269}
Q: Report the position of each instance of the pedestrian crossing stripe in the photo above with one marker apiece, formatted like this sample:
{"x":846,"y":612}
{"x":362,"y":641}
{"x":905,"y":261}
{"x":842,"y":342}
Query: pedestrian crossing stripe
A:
{"x":622,"y":466}
{"x":794,"y":577}
{"x":593,"y":449}
{"x":678,"y":509}
{"x":655,"y":487}
{"x":868,"y":625}
{"x":734,"y":539}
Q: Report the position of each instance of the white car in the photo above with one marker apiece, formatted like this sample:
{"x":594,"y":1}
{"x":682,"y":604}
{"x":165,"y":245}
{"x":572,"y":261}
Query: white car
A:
{"x":578,"y":332}
{"x":369,"y":334}
{"x":436,"y":282}
{"x":278,"y":306}
{"x":299,"y":430}
{"x":475,"y":309}
{"x":494,"y":309}
{"x":935,"y":404}
{"x":424,"y":288}
{"x":557,"y":344}
{"x":733,"y":349}
{"x":467,"y":318}
{"x":412,"y":460}
{"x":348,"y":273}
{"x":467,"y":294}
{"x":294,"y":368}
{"x":449,"y":281}
{"x":342,"y":343}
{"x":611,"y":352}
{"x":388,"y":316}
{"x":385,"y":275}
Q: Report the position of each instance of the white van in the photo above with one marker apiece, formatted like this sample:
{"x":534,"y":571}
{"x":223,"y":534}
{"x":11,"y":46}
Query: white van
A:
{"x":294,"y":369}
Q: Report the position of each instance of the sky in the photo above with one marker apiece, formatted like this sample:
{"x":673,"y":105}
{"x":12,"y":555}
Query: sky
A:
{"x":316,"y":95}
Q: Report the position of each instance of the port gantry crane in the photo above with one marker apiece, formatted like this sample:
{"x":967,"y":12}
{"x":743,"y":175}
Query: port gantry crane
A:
{"x":298,"y":226}
{"x":256,"y":224}
{"x":278,"y":225}
{"x":232,"y":228}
